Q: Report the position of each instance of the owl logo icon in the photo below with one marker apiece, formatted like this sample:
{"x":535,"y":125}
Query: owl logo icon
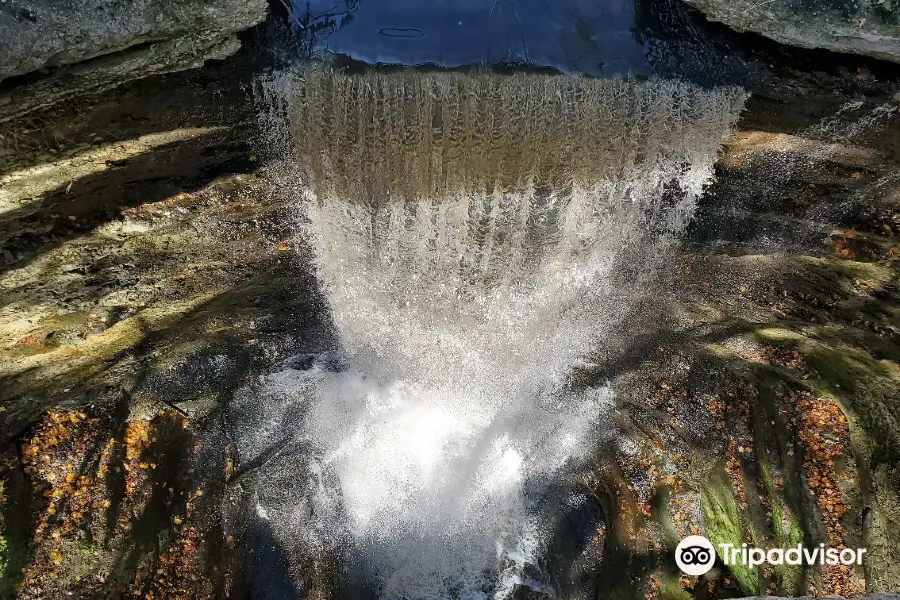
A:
{"x":695,"y":555}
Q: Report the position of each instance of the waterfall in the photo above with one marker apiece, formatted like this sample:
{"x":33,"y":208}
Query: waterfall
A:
{"x":476,"y":236}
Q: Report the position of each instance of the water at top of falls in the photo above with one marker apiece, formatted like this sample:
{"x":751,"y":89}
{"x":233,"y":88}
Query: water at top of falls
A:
{"x":601,"y":38}
{"x":477,"y":237}
{"x":588,"y":37}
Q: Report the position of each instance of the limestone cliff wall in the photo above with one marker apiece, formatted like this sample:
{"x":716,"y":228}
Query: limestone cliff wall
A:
{"x":51,"y":50}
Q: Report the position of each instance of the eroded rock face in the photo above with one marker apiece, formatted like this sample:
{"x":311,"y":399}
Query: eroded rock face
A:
{"x":868,"y":27}
{"x":73,"y":47}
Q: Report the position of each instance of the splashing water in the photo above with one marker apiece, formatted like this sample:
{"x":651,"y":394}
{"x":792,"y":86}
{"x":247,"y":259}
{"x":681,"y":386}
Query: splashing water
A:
{"x":476,"y":237}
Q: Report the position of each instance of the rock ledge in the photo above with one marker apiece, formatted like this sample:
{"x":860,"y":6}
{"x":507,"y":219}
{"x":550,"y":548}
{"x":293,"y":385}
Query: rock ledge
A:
{"x":53,"y":50}
{"x":867,"y":27}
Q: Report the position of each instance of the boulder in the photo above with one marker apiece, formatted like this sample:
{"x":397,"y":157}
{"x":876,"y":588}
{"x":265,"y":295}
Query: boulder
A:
{"x":53,"y":49}
{"x":867,"y":27}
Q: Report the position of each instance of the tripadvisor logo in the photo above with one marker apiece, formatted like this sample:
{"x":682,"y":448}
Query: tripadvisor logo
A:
{"x":695,"y":555}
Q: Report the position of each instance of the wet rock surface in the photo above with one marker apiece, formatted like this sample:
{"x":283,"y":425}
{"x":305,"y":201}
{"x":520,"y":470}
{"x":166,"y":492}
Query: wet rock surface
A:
{"x":140,"y":254}
{"x":761,"y":407}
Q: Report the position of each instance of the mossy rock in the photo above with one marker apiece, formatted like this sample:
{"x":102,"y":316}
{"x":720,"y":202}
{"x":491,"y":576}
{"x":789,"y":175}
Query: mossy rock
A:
{"x":724,"y":524}
{"x":789,"y":578}
{"x":670,"y":588}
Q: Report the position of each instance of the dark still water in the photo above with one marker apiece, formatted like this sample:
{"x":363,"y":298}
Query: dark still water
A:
{"x":575,"y":35}
{"x":601,"y":38}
